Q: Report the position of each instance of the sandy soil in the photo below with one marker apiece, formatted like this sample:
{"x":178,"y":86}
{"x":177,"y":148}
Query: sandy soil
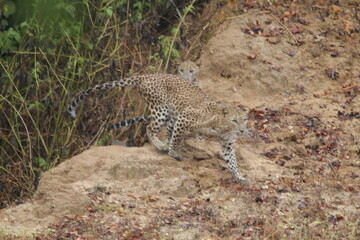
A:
{"x":303,"y":159}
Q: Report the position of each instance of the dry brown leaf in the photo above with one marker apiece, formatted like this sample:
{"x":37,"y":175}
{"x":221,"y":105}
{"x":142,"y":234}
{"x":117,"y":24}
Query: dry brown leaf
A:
{"x":231,"y":3}
{"x":335,"y":9}
{"x":249,"y":3}
{"x":349,"y":26}
{"x":251,"y":57}
{"x":295,"y":29}
{"x":132,"y":196}
{"x":273,"y":40}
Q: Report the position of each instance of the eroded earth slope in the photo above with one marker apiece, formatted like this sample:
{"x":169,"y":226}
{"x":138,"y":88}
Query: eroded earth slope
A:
{"x":298,"y":70}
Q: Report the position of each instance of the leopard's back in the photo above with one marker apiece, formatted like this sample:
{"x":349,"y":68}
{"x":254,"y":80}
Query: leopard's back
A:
{"x":172,"y":91}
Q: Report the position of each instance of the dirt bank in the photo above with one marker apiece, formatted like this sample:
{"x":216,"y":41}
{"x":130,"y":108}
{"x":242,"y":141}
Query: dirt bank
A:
{"x":300,"y":78}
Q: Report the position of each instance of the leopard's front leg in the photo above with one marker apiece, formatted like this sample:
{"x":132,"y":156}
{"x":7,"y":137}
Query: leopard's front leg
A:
{"x":229,"y":156}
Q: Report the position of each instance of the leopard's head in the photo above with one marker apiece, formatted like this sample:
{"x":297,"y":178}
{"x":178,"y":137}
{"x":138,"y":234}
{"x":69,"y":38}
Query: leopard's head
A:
{"x":233,"y":122}
{"x":188,"y":70}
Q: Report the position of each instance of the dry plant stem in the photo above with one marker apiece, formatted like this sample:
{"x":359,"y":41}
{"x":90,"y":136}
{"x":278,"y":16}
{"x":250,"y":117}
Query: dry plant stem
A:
{"x":177,"y":32}
{"x":347,"y":88}
{"x":53,"y":71}
{"x":234,"y":17}
{"x":127,"y":16}
{"x":333,"y":170}
{"x":243,"y":15}
{"x":197,"y":39}
{"x":17,"y":112}
{"x":178,"y":12}
{"x":13,"y":129}
{"x":17,"y":182}
{"x":15,"y":147}
{"x":97,"y":135}
{"x":287,"y":29}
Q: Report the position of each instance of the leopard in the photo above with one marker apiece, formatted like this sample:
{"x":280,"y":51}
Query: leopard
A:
{"x":187,"y":70}
{"x":171,"y":97}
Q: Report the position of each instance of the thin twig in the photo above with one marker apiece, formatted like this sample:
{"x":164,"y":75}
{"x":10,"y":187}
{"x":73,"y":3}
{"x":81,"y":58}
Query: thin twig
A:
{"x":98,"y":133}
{"x":243,"y":15}
{"x":178,"y":12}
{"x":333,"y":170}
{"x":192,"y":46}
{"x":347,"y":88}
{"x":287,"y":29}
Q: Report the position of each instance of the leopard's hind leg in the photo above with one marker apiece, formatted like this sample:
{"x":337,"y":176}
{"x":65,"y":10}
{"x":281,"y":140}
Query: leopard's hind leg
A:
{"x":159,"y":116}
{"x":183,"y":123}
{"x":169,"y":129}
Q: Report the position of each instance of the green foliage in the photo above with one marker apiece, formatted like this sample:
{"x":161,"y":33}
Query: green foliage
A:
{"x":49,"y":22}
{"x":167,"y":47}
{"x":105,"y":139}
{"x":8,"y":8}
{"x":41,"y":162}
{"x":9,"y":40}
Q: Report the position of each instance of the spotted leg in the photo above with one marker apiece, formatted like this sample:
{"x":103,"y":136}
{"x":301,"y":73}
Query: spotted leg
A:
{"x":181,"y":124}
{"x":158,"y":119}
{"x":229,"y":156}
{"x":169,"y":128}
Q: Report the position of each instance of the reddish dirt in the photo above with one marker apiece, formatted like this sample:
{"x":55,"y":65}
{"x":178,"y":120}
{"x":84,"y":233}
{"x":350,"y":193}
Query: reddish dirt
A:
{"x":298,"y":71}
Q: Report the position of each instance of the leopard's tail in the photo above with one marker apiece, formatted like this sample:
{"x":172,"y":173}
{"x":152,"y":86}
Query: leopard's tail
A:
{"x":131,"y":81}
{"x":129,"y":122}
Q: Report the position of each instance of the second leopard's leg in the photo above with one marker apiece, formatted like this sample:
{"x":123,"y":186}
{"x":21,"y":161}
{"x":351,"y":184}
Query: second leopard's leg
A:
{"x":229,"y":156}
{"x":158,"y":119}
